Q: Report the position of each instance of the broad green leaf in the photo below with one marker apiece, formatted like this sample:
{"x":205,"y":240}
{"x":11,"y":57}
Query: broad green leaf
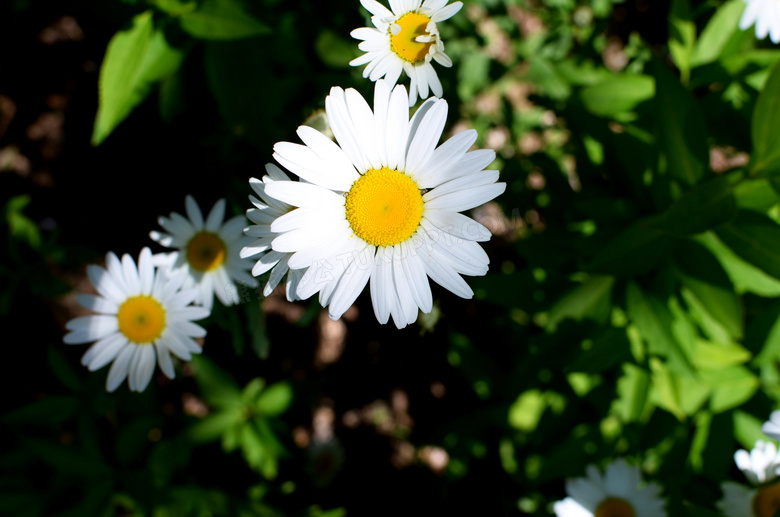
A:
{"x":636,"y":249}
{"x":275,"y":399}
{"x":335,"y":50}
{"x":770,"y":351}
{"x":708,"y":355}
{"x":214,"y":425}
{"x":617,"y":95}
{"x":747,"y":429}
{"x":136,"y":60}
{"x":701,"y":273}
{"x":19,"y":225}
{"x":731,"y":387}
{"x":758,"y":194}
{"x":632,"y":388}
{"x":654,"y":321}
{"x":682,"y":36}
{"x":588,"y":300}
{"x":764,"y":134}
{"x":665,"y":391}
{"x":217,"y":387}
{"x":702,"y":208}
{"x":221,"y":20}
{"x":682,"y":135}
{"x":744,"y":276}
{"x":49,"y":410}
{"x":718,"y":33}
{"x":755,"y":238}
{"x":252,"y":390}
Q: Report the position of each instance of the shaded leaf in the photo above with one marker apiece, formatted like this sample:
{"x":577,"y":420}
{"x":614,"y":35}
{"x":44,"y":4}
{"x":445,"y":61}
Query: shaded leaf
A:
{"x":764,"y":134}
{"x":755,"y":238}
{"x":617,"y":95}
{"x":221,"y":20}
{"x":588,"y":300}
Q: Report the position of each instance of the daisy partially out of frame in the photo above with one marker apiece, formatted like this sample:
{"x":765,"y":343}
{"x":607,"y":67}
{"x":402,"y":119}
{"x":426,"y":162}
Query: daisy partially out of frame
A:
{"x":382,"y":206}
{"x":207,"y":252}
{"x":762,"y":499}
{"x":765,"y":15}
{"x":266,"y":210}
{"x":405,"y":39}
{"x":619,"y":492}
{"x":143,"y":316}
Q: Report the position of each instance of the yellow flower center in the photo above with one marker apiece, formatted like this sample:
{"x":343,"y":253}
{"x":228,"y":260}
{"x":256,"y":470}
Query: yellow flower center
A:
{"x":403,"y":44}
{"x":205,"y":251}
{"x":767,"y":500}
{"x":384,"y":207}
{"x":141,"y":319}
{"x":614,"y":507}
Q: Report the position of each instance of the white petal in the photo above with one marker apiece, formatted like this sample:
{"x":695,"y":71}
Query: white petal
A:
{"x":215,"y":217}
{"x":104,"y":351}
{"x":164,"y":358}
{"x":304,"y":195}
{"x":193,"y":212}
{"x":320,"y":161}
{"x":352,"y":283}
{"x":90,"y":328}
{"x":447,"y":12}
{"x":97,"y":303}
{"x":425,"y":138}
{"x":130,"y":271}
{"x":120,"y":367}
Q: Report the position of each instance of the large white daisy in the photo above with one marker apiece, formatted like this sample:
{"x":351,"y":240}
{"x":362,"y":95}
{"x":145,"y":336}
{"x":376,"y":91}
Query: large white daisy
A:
{"x":405,"y":39}
{"x":382,"y":205}
{"x":765,"y":15}
{"x":143,"y":316}
{"x":771,"y":427}
{"x":620,"y":492}
{"x":208,"y":252}
{"x":762,"y":499}
{"x":266,"y":210}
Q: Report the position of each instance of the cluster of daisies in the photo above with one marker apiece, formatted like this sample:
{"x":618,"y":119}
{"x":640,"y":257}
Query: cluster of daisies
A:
{"x":378,"y":204}
{"x":621,"y":491}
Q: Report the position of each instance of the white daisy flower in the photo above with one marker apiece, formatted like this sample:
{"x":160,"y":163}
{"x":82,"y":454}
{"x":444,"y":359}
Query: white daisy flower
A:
{"x":771,"y":427}
{"x":143,"y":316}
{"x":208,"y":252}
{"x":761,"y":467}
{"x":405,"y":40}
{"x":383,"y":205}
{"x":264,"y":213}
{"x":765,"y":15}
{"x":620,"y":492}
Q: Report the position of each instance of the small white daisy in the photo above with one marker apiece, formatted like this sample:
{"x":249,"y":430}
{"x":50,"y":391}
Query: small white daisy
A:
{"x":208,"y":252}
{"x":382,"y":205}
{"x":405,"y":40}
{"x":765,"y":15}
{"x":620,"y":492}
{"x":760,"y":466}
{"x":143,"y":316}
{"x":264,"y":213}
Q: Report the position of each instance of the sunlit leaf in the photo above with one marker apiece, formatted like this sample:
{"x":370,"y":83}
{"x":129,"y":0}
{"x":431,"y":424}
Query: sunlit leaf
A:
{"x":136,"y":60}
{"x":766,"y":139}
{"x":588,"y":300}
{"x":275,"y":399}
{"x":755,"y":238}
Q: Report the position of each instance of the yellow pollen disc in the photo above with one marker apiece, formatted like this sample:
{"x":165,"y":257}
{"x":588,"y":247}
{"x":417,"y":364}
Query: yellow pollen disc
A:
{"x":766,"y":501}
{"x":205,"y":251}
{"x":614,"y":507}
{"x":412,"y":25}
{"x":384,"y":207}
{"x":141,"y":319}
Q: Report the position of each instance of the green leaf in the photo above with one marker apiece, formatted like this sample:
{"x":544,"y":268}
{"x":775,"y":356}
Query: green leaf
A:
{"x":136,"y":59}
{"x":633,"y":389}
{"x":682,"y":36}
{"x":747,"y":429}
{"x":618,"y":95}
{"x":62,"y":369}
{"x":19,"y":225}
{"x":67,"y":459}
{"x":758,"y":194}
{"x":764,"y":134}
{"x":701,"y":273}
{"x":731,"y":387}
{"x":635,"y":250}
{"x":755,"y":238}
{"x":215,"y":425}
{"x":525,"y":412}
{"x":744,"y":276}
{"x":216,"y":385}
{"x":708,"y":355}
{"x":334,"y":50}
{"x":718,"y":33}
{"x":221,"y":20}
{"x":49,"y":410}
{"x":682,"y":135}
{"x":654,"y":321}
{"x":275,"y":399}
{"x":702,"y":208}
{"x":588,"y":300}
